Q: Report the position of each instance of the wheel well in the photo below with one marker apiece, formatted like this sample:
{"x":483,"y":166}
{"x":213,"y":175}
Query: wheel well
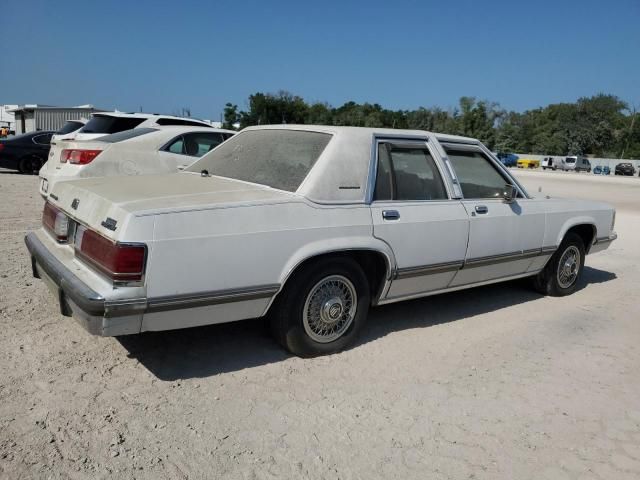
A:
{"x":585,"y":231}
{"x":373,"y":264}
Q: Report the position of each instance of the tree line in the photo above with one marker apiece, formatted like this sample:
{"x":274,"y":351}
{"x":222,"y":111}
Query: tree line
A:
{"x":601,"y":125}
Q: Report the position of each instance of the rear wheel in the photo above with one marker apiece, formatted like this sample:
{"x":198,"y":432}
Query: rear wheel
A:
{"x":561,"y":274}
{"x":322,"y":308}
{"x":24,"y":165}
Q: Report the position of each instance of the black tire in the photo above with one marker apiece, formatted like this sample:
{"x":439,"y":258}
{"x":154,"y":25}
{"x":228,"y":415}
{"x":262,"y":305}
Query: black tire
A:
{"x":548,"y":280}
{"x":286,"y":316}
{"x":25,"y":165}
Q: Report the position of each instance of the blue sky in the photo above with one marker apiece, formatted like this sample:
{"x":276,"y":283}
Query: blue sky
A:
{"x":162,"y":56}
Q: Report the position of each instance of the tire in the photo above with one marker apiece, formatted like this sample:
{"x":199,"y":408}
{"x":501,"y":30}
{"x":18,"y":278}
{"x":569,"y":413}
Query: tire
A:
{"x":25,"y":165}
{"x":561,"y":275}
{"x":317,"y":298}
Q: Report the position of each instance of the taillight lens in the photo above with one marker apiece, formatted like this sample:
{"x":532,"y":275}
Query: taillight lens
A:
{"x":120,"y":262}
{"x":78,"y":157}
{"x":56,"y":222}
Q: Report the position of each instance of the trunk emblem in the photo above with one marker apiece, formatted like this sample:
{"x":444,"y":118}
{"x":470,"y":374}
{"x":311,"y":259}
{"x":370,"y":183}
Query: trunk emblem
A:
{"x":75,"y":203}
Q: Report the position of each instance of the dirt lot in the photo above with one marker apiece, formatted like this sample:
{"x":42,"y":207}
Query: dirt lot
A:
{"x":492,"y":383}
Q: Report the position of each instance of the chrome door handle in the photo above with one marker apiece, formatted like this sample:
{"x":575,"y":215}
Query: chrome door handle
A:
{"x":390,"y":214}
{"x":481,"y":209}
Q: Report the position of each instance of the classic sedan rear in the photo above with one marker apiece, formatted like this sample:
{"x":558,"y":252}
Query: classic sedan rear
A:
{"x":310,"y":226}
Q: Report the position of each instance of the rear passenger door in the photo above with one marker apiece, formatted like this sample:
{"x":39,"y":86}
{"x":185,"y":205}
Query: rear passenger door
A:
{"x":413,"y":212}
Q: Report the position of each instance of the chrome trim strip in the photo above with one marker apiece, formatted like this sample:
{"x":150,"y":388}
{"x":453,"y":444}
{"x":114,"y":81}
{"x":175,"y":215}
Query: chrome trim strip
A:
{"x":607,"y":239}
{"x":203,"y":299}
{"x":453,"y":289}
{"x":409,"y":272}
{"x":549,"y":249}
{"x":505,"y":257}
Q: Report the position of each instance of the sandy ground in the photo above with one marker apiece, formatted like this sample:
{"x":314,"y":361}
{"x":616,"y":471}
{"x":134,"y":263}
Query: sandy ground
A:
{"x":492,"y":383}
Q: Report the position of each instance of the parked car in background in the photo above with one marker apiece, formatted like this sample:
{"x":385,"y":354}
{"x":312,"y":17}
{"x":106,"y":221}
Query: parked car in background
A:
{"x":68,"y":129}
{"x":507,"y":159}
{"x":576,"y":164}
{"x":528,"y":163}
{"x":140,"y":151}
{"x":600,"y":170}
{"x":624,"y":169}
{"x":27,"y":152}
{"x":106,"y":123}
{"x":549,"y":162}
{"x":311,"y":225}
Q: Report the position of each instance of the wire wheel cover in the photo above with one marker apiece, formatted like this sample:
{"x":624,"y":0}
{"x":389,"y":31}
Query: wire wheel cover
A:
{"x":330,"y":308}
{"x":568,"y":267}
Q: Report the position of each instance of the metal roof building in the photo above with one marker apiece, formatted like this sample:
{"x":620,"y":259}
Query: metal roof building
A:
{"x":29,"y":118}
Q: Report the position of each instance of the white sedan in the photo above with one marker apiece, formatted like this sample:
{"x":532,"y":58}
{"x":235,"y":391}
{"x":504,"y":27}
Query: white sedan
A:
{"x":139,"y":151}
{"x":309,"y":225}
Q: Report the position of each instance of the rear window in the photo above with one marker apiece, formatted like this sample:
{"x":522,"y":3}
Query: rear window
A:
{"x":126,"y":135}
{"x":69,"y":127}
{"x":570,"y":160}
{"x":276,"y":158}
{"x":180,"y":121}
{"x":106,"y":124}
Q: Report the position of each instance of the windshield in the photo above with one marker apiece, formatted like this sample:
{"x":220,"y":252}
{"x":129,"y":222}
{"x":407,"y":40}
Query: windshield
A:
{"x":276,"y":158}
{"x":570,"y":160}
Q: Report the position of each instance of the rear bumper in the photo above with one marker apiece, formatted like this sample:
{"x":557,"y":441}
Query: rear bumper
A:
{"x":98,"y":315}
{"x":602,"y":243}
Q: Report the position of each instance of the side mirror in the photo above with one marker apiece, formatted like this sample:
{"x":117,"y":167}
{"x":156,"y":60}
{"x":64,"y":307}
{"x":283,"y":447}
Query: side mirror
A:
{"x":509,"y":193}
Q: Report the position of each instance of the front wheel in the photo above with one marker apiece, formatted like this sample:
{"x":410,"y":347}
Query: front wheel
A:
{"x":322,"y":308}
{"x":560,"y":276}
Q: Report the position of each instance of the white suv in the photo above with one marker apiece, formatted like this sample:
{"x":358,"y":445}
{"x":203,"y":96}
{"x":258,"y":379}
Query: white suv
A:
{"x":106,"y":123}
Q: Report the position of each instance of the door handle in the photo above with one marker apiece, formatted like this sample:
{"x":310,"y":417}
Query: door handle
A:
{"x":390,"y":214}
{"x":481,"y":209}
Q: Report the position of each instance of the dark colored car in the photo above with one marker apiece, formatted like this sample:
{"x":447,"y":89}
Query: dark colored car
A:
{"x":625,"y":169}
{"x":25,"y":153}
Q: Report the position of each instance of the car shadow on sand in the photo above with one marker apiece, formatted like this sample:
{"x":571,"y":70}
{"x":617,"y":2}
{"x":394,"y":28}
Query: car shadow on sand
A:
{"x":210,"y":350}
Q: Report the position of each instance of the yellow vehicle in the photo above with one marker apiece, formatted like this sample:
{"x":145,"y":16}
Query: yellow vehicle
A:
{"x":528,"y":163}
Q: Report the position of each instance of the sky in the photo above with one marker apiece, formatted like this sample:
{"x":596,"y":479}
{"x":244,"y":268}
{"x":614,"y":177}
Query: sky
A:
{"x":162,"y":56}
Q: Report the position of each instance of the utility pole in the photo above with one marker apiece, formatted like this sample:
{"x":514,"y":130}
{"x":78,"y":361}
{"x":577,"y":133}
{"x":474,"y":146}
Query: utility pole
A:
{"x":633,"y":119}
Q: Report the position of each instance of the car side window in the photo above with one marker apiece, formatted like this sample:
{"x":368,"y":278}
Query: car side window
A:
{"x":177,"y":146}
{"x":407,"y":173}
{"x":197,"y":144}
{"x":44,"y":139}
{"x":477,"y":175}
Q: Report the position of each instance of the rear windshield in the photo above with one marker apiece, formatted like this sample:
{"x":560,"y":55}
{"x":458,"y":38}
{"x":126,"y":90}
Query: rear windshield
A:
{"x":126,"y":135}
{"x":69,"y":127}
{"x":106,"y":124}
{"x":179,"y":121}
{"x":276,"y":158}
{"x":570,"y":160}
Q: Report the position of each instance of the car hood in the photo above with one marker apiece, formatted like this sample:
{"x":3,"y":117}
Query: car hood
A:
{"x":118,"y":198}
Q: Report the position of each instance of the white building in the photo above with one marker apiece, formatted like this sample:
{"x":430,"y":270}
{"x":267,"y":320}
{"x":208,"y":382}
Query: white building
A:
{"x":31,"y":117}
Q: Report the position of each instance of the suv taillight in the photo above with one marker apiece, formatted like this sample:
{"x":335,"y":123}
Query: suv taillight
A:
{"x":78,"y":157}
{"x":120,"y":262}
{"x":56,"y":222}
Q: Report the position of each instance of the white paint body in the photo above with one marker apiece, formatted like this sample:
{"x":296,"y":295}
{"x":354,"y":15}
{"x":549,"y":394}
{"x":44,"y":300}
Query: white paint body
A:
{"x":141,"y":155}
{"x":214,"y":234}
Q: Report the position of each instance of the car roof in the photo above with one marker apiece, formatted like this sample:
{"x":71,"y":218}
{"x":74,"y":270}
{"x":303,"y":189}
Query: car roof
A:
{"x":144,"y":115}
{"x":366,"y":130}
{"x":160,"y":134}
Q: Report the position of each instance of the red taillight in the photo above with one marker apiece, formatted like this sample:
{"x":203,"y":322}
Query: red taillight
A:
{"x":55,"y":221}
{"x":120,"y":262}
{"x":78,"y":157}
